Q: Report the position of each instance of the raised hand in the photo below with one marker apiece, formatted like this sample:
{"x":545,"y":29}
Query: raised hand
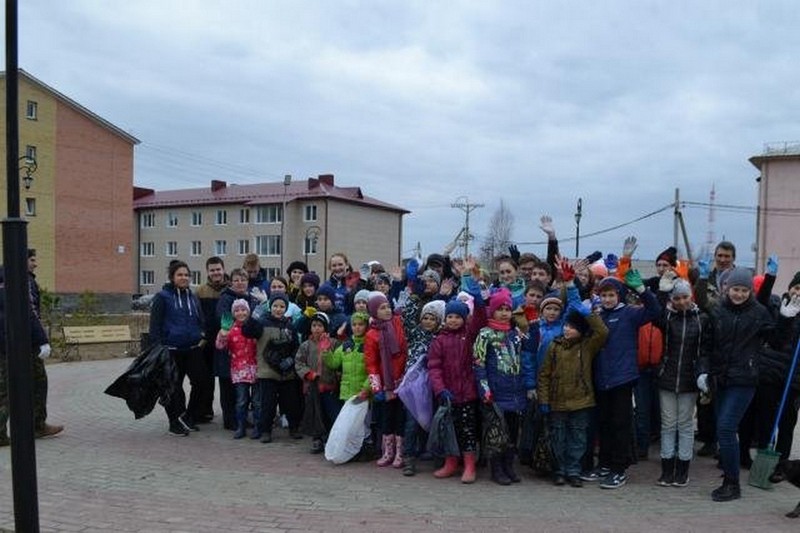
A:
{"x":546,"y":225}
{"x":566,"y":270}
{"x":772,"y":265}
{"x":667,"y":281}
{"x":629,"y":246}
{"x":703,"y":268}
{"x":634,"y":280}
{"x":790,"y":307}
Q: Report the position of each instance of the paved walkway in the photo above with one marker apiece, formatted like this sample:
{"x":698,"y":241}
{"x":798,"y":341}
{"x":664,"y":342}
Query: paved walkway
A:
{"x":109,"y":472}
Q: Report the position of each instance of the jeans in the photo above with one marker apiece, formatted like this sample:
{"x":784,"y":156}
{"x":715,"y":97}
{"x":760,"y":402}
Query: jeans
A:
{"x":677,"y":420}
{"x":331,"y":405}
{"x":647,"y":410}
{"x":731,"y":404}
{"x":568,"y":438}
{"x":245,"y":393}
{"x":615,"y":424}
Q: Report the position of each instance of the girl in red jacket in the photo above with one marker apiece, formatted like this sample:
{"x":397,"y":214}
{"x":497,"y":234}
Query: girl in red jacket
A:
{"x":453,"y":380}
{"x":385,"y":351}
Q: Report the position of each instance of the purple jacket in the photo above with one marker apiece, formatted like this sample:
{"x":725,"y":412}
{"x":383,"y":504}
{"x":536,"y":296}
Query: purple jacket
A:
{"x":450,"y":365}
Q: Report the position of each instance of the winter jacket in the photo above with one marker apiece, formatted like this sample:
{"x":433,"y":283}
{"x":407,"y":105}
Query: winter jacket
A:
{"x":340,"y":291}
{"x":242,"y":354}
{"x":550,"y":330}
{"x":775,"y":359}
{"x":450,"y":362}
{"x":372,"y":356}
{"x":616,"y":364}
{"x":502,"y":368}
{"x":208,"y":294}
{"x":688,"y":337}
{"x":739,"y":331}
{"x":565,"y":377}
{"x":348,"y":359}
{"x":176,"y":320}
{"x":276,"y":348}
{"x":309,"y":365}
{"x":222,"y":359}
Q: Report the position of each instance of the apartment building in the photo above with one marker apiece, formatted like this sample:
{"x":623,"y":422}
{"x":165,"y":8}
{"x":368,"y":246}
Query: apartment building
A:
{"x":78,"y":205}
{"x":306,"y":220}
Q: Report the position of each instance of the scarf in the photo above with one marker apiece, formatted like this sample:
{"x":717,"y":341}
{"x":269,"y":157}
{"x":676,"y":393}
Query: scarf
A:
{"x":388,"y":346}
{"x":498,"y":325}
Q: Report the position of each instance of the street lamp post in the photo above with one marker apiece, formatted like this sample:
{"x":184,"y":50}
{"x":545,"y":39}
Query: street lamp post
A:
{"x":578,"y":214}
{"x":287,"y":180}
{"x":312,"y":234}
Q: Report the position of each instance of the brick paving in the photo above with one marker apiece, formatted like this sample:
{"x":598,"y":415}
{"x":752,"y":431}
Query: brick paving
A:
{"x":109,"y":472}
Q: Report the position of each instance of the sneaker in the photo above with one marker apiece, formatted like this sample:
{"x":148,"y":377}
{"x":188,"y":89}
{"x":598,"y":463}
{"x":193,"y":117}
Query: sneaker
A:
{"x":409,"y":467}
{"x":597,"y":474}
{"x":48,"y":431}
{"x":575,"y":481}
{"x":614,"y":481}
{"x":176,"y":429}
{"x":187,"y":424}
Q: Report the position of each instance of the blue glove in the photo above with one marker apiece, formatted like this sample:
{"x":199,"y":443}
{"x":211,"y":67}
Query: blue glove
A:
{"x":612,"y":262}
{"x":703,"y":268}
{"x":772,"y":265}
{"x":412,"y":267}
{"x":286,"y":363}
{"x":544,"y":408}
{"x":379,"y":396}
{"x":446,"y":396}
{"x":583,"y":310}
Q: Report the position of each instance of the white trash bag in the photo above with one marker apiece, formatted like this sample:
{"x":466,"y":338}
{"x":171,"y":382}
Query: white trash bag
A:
{"x":348,"y":432}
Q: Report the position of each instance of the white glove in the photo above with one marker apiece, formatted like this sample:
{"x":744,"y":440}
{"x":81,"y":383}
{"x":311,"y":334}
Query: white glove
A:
{"x":702,"y":383}
{"x":258,"y":294}
{"x":364,"y":271}
{"x":532,"y":394}
{"x":667,"y":281}
{"x":790,"y":308}
{"x":44,"y":351}
{"x":629,"y":246}
{"x":546,"y":225}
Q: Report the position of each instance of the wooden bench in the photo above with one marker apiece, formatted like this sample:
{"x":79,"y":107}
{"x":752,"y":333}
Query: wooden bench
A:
{"x":75,"y":336}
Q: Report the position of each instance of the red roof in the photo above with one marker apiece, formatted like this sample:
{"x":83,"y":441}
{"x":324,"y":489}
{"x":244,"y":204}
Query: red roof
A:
{"x":257,"y":194}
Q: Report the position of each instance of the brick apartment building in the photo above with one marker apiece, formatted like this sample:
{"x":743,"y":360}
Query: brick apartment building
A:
{"x":79,"y":204}
{"x":306,"y":220}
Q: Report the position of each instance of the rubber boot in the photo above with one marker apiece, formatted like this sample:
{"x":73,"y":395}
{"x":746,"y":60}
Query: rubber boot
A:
{"x":468,"y":476}
{"x":388,"y":451}
{"x":449,"y":468}
{"x":681,"y":474}
{"x":729,"y":491}
{"x":398,"y":456}
{"x":508,"y":466}
{"x":498,"y":472}
{"x":667,"y":472}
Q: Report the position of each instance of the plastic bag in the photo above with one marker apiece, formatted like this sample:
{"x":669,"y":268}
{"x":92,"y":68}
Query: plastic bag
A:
{"x":348,"y":432}
{"x":415,"y":393}
{"x":442,"y":440}
{"x":495,"y":430}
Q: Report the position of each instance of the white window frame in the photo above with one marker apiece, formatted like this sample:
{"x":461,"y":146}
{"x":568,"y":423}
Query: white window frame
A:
{"x":197,"y":248}
{"x":30,"y":207}
{"x":268,"y":245}
{"x":269,"y":214}
{"x":244,"y":215}
{"x":147,"y":277}
{"x":221,"y":247}
{"x":310,"y":245}
{"x":310,"y":213}
{"x":197,"y":218}
{"x":243,"y":246}
{"x":172,"y":219}
{"x":30,"y":152}
{"x":32,"y":110}
{"x":171,"y":249}
{"x":149,"y":220}
{"x":222,"y":217}
{"x":197,"y":277}
{"x":147,"y":249}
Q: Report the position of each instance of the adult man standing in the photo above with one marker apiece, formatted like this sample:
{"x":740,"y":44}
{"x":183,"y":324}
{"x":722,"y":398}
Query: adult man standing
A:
{"x":41,"y":428}
{"x":208,"y":294}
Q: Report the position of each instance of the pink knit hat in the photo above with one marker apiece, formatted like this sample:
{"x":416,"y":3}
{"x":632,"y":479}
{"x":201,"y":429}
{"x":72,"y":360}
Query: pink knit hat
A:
{"x":500,"y":297}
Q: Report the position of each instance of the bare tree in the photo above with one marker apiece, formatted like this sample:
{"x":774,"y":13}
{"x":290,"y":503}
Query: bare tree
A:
{"x":498,"y":236}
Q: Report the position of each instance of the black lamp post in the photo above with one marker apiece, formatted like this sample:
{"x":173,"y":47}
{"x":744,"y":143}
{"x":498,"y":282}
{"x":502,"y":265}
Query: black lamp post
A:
{"x":578,"y":214}
{"x":29,"y":166}
{"x":17,"y":305}
{"x":312,"y":234}
{"x":287,"y":180}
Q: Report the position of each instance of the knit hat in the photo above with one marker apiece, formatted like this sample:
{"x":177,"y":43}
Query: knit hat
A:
{"x":551,"y":300}
{"x":435,"y":308}
{"x":433,"y":275}
{"x":613,"y":283}
{"x":327,"y":291}
{"x":740,"y":277}
{"x":435,"y":259}
{"x":456,"y":307}
{"x":359,"y":316}
{"x":383,"y":277}
{"x":238,"y":304}
{"x":310,"y":277}
{"x":500,"y":298}
{"x":297,"y":265}
{"x":322,"y":318}
{"x":376,"y":299}
{"x":681,"y":288}
{"x":598,"y":269}
{"x":795,"y":280}
{"x":670,"y":255}
{"x":361,"y":296}
{"x":278,"y":296}
{"x":578,"y":321}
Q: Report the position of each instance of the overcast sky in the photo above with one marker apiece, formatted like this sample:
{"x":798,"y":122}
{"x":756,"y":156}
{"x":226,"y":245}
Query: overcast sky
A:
{"x":420,"y":103}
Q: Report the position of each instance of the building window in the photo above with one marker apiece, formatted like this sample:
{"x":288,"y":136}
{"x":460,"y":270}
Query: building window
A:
{"x":148,"y":249}
{"x":30,"y":152}
{"x":148,"y":220}
{"x":273,"y":272}
{"x":269,"y":214}
{"x":310,"y":213}
{"x":30,"y":207}
{"x":244,"y":216}
{"x":197,"y":218}
{"x":32,"y":110}
{"x":197,"y":277}
{"x":148,"y":277}
{"x":310,"y":246}
{"x":244,"y":246}
{"x":222,"y":217}
{"x":197,"y":248}
{"x":172,"y":220}
{"x":172,"y":248}
{"x":268,"y":245}
{"x":220,"y":247}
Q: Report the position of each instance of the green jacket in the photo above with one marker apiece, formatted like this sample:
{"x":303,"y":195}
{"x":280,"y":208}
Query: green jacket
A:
{"x":349,"y":359}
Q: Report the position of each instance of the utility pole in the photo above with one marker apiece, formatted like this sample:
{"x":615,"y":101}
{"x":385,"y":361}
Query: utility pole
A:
{"x":675,"y":222}
{"x":463,"y":203}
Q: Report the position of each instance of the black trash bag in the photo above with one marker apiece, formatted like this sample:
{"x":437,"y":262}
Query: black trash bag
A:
{"x":529,"y":433}
{"x":313,"y":421}
{"x":495,"y":430}
{"x":544,"y":460}
{"x":151,"y":378}
{"x":442,"y":440}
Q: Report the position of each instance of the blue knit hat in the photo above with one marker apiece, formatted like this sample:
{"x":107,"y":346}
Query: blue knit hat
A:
{"x":327,"y":290}
{"x":456,"y":307}
{"x":613,"y":283}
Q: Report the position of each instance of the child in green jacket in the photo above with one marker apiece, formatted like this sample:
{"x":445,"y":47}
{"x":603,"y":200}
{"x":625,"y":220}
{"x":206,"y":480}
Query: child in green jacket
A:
{"x":348,"y":358}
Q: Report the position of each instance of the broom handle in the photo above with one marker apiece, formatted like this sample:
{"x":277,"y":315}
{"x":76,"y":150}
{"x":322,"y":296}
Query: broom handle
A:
{"x":774,"y":437}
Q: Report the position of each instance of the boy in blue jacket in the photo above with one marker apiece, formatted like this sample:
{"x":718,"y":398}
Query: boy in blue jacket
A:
{"x":616,"y":372}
